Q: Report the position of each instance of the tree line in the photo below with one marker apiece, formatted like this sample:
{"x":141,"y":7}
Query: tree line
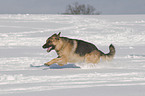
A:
{"x":81,"y":9}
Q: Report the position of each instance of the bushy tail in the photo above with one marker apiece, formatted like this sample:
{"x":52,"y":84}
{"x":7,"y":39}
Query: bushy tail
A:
{"x":110,"y":55}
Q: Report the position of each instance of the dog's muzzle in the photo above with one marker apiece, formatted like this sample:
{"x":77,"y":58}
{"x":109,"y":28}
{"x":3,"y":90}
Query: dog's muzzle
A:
{"x":44,"y":46}
{"x":49,"y":48}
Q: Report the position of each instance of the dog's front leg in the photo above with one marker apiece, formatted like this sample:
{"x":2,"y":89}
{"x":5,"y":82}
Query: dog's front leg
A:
{"x":52,"y":61}
{"x":59,"y":61}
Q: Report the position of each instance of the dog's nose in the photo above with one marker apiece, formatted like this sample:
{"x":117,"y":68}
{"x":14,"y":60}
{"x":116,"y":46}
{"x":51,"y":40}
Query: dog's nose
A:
{"x":44,"y":46}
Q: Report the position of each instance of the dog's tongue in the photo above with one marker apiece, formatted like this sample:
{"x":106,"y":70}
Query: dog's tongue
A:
{"x":49,"y":49}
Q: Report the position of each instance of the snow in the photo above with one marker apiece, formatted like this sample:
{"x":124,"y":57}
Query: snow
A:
{"x":21,"y":55}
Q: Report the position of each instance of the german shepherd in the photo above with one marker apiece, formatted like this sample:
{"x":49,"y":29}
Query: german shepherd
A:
{"x":74,"y":51}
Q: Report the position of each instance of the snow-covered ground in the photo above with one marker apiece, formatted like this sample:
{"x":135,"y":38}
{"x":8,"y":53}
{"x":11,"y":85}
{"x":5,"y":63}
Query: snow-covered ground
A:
{"x":21,"y":56}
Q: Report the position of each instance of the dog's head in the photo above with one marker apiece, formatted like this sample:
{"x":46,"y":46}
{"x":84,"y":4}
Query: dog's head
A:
{"x":51,"y":42}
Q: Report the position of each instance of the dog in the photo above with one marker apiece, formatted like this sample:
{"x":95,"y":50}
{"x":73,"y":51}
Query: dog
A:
{"x":75,"y":51}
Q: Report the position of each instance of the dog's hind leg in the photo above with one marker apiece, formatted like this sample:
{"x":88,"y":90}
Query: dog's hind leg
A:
{"x":93,"y":57}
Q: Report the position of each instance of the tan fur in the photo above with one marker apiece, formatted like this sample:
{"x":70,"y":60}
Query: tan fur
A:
{"x":66,"y":51}
{"x":93,"y":57}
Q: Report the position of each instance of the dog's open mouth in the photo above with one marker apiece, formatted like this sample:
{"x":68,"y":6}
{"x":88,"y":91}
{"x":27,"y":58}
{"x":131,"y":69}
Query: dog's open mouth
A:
{"x":49,"y":49}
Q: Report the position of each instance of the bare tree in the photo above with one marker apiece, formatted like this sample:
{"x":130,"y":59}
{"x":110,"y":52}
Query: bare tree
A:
{"x":77,"y":8}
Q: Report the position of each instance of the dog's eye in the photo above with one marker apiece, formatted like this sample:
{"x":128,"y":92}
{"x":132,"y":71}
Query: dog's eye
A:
{"x":49,"y":41}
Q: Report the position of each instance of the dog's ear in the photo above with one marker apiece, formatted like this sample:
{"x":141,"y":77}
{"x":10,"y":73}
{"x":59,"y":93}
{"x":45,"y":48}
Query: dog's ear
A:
{"x":59,"y":34}
{"x":57,"y":37}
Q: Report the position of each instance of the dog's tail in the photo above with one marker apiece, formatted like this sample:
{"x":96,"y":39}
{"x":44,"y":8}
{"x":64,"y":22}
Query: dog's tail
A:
{"x":110,"y":55}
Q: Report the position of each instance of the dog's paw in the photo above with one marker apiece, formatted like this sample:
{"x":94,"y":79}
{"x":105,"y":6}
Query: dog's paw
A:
{"x":46,"y":64}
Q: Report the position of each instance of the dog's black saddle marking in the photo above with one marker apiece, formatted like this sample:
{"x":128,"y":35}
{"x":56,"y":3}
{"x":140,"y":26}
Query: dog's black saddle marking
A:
{"x":84,"y":47}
